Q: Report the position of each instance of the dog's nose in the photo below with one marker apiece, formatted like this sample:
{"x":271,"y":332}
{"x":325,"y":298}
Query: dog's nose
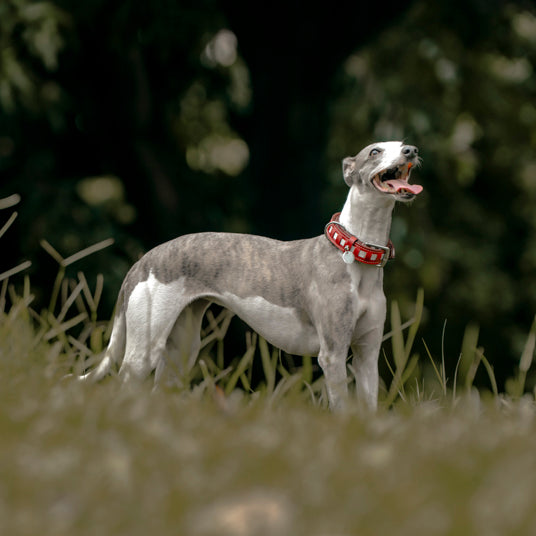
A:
{"x":410,"y":151}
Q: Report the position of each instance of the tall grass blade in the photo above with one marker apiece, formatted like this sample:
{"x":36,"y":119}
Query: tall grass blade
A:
{"x":208,"y":380}
{"x":307,"y":369}
{"x":516,"y":386}
{"x":245,"y":378}
{"x":10,"y":201}
{"x":443,"y":370}
{"x":80,"y":347}
{"x":3,"y":292}
{"x":56,"y":289}
{"x":244,"y":362}
{"x":455,"y":384}
{"x":97,"y":338}
{"x":311,"y":393}
{"x":478,"y":354}
{"x":99,"y":287}
{"x":405,"y":325}
{"x":528,"y":351}
{"x":269,"y":370}
{"x":60,"y":329}
{"x":469,"y":354}
{"x":391,"y":370}
{"x":399,"y":355}
{"x":88,"y":251}
{"x":87,"y":292}
{"x":440,"y":373}
{"x":491,"y":375}
{"x":419,"y":305}
{"x":217,"y":328}
{"x":8,"y":224}
{"x":408,"y":371}
{"x":283,"y":387}
{"x":21,"y":267}
{"x":220,"y":355}
{"x":397,"y":341}
{"x":68,"y":302}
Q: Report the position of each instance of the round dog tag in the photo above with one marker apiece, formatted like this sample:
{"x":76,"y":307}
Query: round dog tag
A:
{"x":348,"y":257}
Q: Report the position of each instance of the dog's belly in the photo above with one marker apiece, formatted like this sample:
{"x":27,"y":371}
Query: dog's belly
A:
{"x":284,"y":327}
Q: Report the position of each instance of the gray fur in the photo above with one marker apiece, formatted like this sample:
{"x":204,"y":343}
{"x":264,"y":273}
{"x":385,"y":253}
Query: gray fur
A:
{"x":267,"y":267}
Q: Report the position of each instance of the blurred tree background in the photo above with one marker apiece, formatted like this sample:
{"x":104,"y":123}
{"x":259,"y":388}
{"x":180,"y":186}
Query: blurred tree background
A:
{"x":142,"y":121}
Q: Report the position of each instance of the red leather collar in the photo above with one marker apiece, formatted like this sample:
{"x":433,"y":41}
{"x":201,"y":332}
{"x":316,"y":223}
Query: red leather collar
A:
{"x":355,"y":249}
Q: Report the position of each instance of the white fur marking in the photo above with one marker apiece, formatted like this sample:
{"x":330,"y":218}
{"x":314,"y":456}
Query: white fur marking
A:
{"x":390,"y":154}
{"x":153,"y":308}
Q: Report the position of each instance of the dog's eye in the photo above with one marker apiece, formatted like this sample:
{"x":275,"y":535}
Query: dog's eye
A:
{"x":374,"y":152}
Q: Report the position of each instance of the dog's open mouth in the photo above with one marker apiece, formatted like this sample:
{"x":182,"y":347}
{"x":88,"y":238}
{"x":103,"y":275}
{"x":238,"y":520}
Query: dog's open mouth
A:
{"x":394,"y":180}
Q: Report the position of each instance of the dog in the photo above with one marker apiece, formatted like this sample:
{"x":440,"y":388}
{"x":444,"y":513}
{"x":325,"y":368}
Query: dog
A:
{"x":320,"y":296}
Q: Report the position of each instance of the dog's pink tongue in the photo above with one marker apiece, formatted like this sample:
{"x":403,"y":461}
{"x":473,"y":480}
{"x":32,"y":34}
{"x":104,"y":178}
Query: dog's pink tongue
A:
{"x":399,"y":184}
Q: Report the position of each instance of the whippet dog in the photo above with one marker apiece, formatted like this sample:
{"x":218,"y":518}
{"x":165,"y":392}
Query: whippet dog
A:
{"x":319,"y":296}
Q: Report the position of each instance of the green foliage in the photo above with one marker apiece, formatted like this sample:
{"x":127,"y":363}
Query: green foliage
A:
{"x":29,"y":32}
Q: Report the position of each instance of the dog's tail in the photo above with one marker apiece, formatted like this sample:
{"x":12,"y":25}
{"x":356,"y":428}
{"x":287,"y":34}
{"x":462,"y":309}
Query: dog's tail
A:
{"x":116,"y":347}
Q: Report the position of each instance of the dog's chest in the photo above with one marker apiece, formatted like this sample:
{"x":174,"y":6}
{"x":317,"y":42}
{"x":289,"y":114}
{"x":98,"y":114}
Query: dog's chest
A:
{"x":368,"y":298}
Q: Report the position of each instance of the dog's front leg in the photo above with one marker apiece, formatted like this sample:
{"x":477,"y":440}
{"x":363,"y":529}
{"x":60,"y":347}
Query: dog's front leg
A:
{"x":365,"y":365}
{"x":333,"y":365}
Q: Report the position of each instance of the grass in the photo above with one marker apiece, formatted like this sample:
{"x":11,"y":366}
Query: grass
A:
{"x":219,"y":457}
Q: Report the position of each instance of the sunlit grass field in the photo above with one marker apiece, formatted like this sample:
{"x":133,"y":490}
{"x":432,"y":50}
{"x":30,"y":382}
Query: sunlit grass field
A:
{"x":224,"y":458}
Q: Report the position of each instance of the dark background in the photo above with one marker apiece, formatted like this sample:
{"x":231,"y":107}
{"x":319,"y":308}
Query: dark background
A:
{"x":143,"y":120}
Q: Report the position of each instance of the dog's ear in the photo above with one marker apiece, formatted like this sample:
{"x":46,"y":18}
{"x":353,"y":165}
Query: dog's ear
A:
{"x":348,"y":170}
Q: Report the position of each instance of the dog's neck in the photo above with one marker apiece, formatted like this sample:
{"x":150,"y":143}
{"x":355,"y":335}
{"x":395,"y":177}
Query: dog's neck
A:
{"x":367,"y":216}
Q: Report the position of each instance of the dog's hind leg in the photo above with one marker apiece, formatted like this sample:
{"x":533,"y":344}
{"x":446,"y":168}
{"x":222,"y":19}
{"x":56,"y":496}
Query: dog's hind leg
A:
{"x":183,"y":345}
{"x":151,"y":313}
{"x":116,"y":347}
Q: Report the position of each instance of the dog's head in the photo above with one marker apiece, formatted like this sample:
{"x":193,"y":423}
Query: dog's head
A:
{"x":383,"y":169}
